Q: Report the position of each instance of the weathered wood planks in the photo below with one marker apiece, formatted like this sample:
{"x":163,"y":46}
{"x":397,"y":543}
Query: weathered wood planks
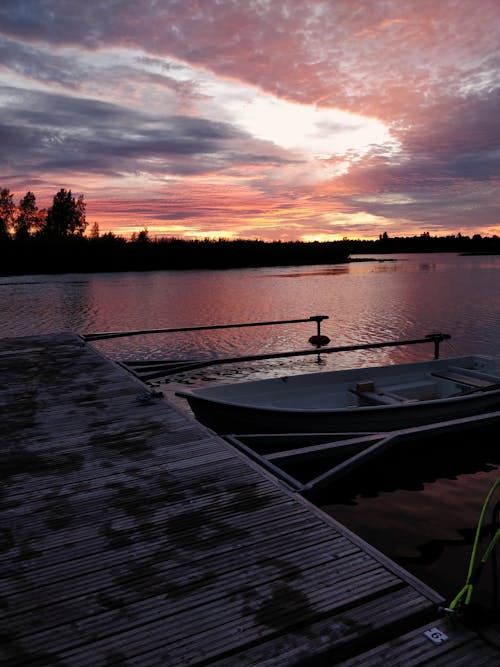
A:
{"x":131,"y":535}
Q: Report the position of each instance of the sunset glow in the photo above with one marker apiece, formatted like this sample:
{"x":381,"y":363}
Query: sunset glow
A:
{"x":313,"y":120}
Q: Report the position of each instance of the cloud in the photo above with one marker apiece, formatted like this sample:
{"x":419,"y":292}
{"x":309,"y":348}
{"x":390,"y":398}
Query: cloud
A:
{"x":65,"y":132}
{"x":387,"y":110}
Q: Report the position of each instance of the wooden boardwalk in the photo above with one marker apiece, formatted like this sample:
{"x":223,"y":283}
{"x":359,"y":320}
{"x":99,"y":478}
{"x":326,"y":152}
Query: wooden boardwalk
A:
{"x":131,"y":535}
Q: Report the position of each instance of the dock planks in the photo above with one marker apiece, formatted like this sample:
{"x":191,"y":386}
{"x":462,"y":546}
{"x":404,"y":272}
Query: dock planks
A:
{"x":132,"y":535}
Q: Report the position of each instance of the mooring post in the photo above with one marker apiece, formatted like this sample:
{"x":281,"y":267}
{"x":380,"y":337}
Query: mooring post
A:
{"x":437,"y":338}
{"x":318,"y":339}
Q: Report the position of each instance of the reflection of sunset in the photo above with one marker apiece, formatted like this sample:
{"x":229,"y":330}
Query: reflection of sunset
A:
{"x":266,"y":120}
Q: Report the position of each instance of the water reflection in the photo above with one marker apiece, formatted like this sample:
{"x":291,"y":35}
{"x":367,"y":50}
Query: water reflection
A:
{"x":403,"y":296}
{"x":421,"y":504}
{"x":325,"y":271}
{"x":42,"y":304}
{"x":427,"y":267}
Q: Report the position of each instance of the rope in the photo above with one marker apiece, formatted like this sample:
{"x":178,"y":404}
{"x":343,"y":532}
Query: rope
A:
{"x":464,"y":596}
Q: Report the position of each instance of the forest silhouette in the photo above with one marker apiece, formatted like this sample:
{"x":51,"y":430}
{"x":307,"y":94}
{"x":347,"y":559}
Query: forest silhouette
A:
{"x":57,"y":240}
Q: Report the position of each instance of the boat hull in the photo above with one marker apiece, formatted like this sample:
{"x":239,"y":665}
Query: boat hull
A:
{"x":369,"y":400}
{"x":228,"y":419}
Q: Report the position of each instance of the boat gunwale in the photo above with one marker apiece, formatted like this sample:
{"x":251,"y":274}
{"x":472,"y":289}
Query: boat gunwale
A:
{"x":467,"y":396}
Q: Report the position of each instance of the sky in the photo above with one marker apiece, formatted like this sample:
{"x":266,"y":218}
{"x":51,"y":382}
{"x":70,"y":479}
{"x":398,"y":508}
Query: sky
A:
{"x":256,"y":119}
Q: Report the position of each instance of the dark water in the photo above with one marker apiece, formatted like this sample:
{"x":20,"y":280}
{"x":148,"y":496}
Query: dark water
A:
{"x":420,"y":507}
{"x":420,"y":504}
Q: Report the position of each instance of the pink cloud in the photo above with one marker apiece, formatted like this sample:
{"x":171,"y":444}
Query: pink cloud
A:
{"x":428,"y":69}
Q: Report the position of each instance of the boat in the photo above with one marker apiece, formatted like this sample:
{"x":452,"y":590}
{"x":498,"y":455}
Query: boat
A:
{"x":362,"y":400}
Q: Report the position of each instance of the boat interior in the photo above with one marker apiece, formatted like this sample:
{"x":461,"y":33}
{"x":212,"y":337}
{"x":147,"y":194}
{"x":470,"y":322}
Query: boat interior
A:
{"x":372,"y":386}
{"x":442,"y":383}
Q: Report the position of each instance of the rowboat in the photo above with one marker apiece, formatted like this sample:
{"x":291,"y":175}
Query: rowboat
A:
{"x":370,"y":399}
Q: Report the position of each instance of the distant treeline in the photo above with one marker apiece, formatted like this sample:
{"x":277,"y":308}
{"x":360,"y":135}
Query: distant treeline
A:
{"x":426,"y":243}
{"x":108,"y":252}
{"x":113,"y":253}
{"x":56,"y":240}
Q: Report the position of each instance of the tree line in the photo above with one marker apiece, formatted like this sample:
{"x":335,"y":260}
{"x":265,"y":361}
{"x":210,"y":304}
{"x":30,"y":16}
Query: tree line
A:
{"x":55,"y":241}
{"x":66,"y":216}
{"x":58,"y":240}
{"x":425,"y":242}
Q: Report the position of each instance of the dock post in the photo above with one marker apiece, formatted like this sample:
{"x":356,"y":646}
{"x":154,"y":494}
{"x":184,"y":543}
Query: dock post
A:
{"x":318,"y":339}
{"x":437,"y":338}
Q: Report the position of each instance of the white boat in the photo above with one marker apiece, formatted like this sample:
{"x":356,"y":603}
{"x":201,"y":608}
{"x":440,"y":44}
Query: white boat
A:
{"x":373,"y":399}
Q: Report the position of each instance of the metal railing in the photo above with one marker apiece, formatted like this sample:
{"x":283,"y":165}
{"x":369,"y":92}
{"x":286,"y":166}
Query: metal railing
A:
{"x":149,"y":370}
{"x":121,"y":334}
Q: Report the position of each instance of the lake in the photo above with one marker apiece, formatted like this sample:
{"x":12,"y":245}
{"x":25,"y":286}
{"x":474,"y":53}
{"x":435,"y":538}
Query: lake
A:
{"x":425,"y":520}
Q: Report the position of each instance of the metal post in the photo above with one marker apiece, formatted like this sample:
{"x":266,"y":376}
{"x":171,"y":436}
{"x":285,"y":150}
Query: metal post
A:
{"x":319,"y":340}
{"x":437,"y":338}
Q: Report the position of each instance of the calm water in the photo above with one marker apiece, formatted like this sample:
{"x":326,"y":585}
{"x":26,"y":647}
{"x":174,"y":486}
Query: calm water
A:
{"x":378,"y":300}
{"x":426,"y":523}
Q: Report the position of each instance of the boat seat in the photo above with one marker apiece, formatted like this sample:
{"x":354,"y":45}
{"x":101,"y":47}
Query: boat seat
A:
{"x":421,"y":390}
{"x":381,"y":398}
{"x":369,"y":395}
{"x":476,"y":373}
{"x":460,"y":378}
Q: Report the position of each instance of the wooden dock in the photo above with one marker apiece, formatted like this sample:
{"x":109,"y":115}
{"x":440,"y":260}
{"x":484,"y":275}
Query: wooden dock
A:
{"x":132,"y":535}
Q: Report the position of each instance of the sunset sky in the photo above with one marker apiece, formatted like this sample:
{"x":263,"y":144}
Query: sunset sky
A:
{"x":269,"y":119}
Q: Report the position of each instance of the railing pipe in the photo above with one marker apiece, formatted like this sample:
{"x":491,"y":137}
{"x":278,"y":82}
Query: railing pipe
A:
{"x":122,"y":334}
{"x":435,"y":338}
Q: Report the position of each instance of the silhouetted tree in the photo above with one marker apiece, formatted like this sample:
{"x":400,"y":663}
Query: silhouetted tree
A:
{"x":66,"y":216}
{"x":143,"y":236}
{"x":28,"y":218}
{"x":94,"y":231}
{"x":7,"y":212}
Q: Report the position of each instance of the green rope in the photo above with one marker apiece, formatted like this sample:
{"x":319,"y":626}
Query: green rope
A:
{"x":473,"y":573}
